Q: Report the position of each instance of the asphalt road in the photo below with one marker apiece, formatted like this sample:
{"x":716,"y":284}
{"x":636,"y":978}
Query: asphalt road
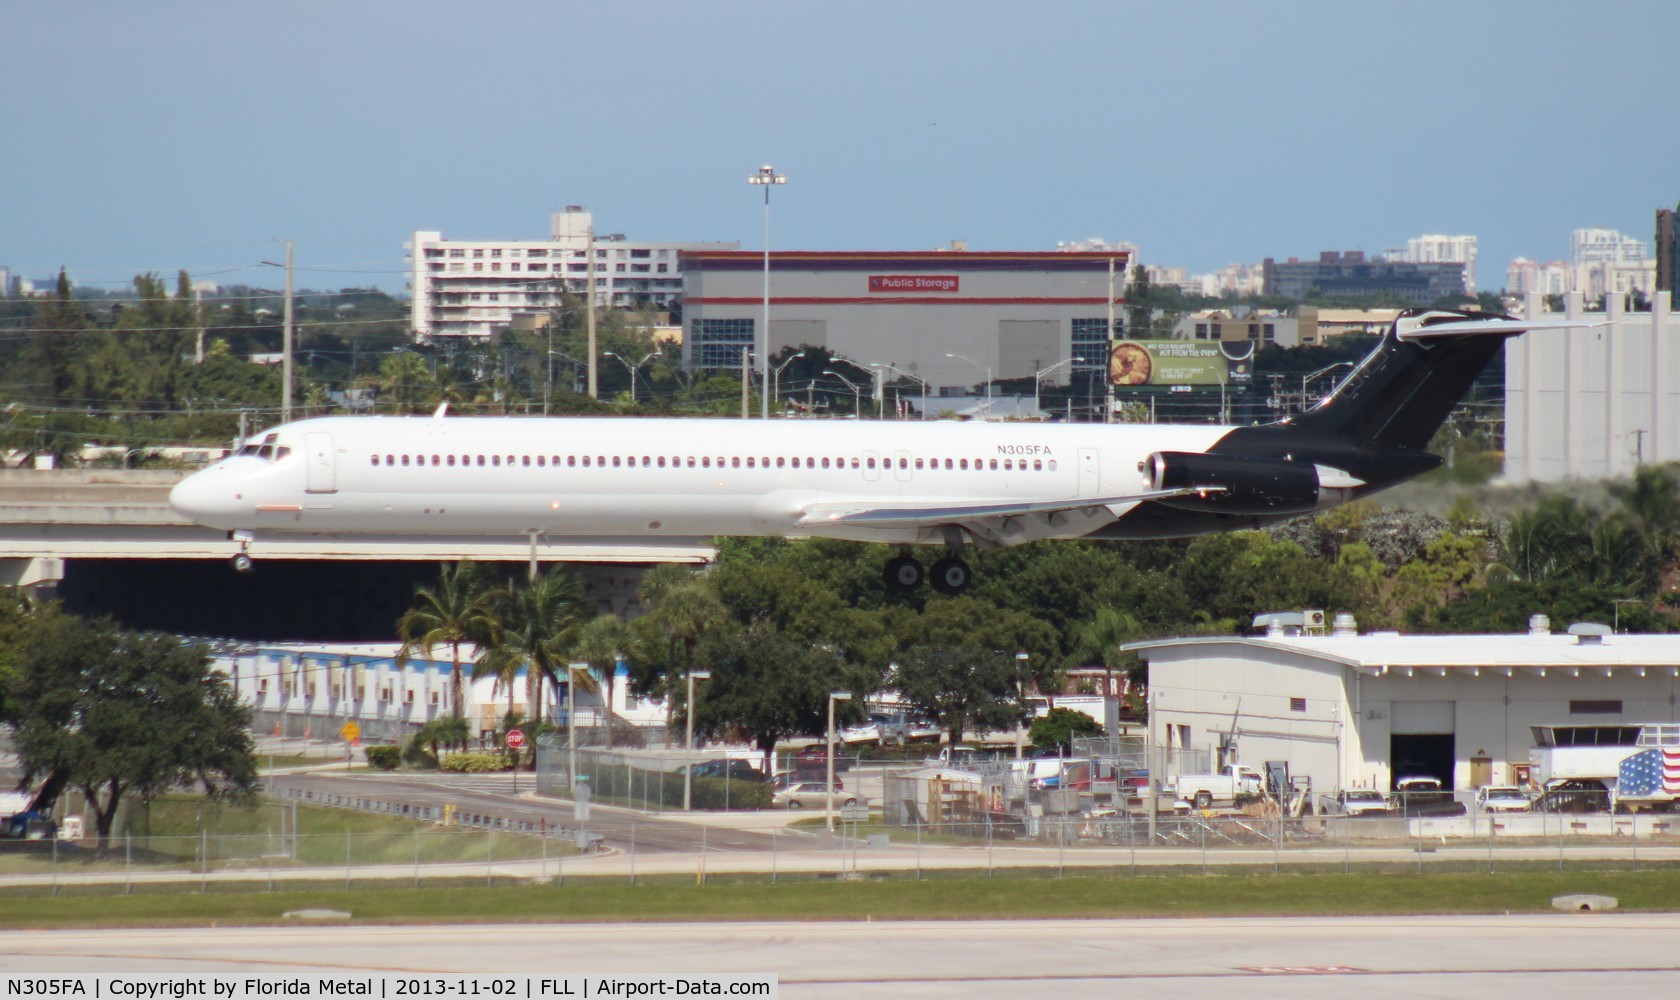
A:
{"x":1490,"y":957}
{"x":493,"y":795}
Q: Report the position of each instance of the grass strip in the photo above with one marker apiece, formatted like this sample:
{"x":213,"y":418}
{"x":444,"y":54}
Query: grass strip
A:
{"x":675,"y":899}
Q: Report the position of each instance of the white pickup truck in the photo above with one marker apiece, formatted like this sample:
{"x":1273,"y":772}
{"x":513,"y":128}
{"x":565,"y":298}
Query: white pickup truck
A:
{"x":1232,"y":783}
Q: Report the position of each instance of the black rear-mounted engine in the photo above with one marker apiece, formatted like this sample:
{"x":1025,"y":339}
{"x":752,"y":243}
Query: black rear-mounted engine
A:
{"x":1236,"y":485}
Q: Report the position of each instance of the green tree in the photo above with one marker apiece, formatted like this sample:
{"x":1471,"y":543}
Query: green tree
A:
{"x":684,"y":610}
{"x":537,"y":623}
{"x":118,"y":713}
{"x":767,"y":684}
{"x":458,"y":611}
{"x":1060,"y":726}
{"x":602,"y":642}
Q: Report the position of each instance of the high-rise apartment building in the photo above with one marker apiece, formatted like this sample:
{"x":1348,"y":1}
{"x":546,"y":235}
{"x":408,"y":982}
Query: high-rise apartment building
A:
{"x":1437,"y":248}
{"x":1606,"y":262}
{"x":474,"y":288}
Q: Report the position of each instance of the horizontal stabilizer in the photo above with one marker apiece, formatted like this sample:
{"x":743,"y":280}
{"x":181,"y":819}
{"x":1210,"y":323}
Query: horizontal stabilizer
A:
{"x":910,"y":514}
{"x":1501,"y":327}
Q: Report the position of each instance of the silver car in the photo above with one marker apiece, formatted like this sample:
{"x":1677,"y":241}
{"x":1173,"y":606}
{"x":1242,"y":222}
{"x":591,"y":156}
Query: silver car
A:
{"x":810,"y":794}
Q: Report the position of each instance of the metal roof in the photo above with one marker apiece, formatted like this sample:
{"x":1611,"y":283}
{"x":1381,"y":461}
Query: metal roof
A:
{"x":1380,"y":650}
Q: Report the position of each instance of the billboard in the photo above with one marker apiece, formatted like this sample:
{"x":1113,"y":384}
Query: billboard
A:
{"x":1136,"y":364}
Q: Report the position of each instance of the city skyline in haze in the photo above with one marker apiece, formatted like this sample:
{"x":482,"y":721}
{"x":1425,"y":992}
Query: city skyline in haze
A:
{"x":193,"y":135}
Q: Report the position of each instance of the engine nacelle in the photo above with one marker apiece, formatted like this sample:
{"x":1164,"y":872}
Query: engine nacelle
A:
{"x":1236,"y":485}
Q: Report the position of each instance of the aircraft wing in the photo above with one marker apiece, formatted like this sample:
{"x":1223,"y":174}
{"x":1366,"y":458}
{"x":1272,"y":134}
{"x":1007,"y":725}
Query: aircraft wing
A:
{"x":911,"y":514}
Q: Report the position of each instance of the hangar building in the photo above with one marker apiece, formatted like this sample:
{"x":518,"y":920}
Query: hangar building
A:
{"x":1360,"y":711}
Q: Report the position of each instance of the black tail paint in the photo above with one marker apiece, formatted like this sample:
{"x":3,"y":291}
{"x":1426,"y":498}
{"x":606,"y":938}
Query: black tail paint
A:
{"x":1404,"y":390}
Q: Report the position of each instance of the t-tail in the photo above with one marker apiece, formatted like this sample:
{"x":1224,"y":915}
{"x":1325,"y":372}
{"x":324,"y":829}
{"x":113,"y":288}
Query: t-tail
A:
{"x":1403,"y":391}
{"x":1367,"y":435}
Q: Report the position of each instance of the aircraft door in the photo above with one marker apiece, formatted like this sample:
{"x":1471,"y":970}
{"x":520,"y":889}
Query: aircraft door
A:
{"x":1090,"y":473}
{"x":901,"y":466}
{"x":319,"y":461}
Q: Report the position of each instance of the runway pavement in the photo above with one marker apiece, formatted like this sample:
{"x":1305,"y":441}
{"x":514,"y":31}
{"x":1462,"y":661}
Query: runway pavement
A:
{"x":1490,"y":957}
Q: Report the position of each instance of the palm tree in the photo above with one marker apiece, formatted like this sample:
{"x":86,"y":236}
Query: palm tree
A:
{"x":1100,"y":639}
{"x":601,"y":643}
{"x":685,"y":609}
{"x":447,"y":730}
{"x":537,"y":623}
{"x":459,"y":610}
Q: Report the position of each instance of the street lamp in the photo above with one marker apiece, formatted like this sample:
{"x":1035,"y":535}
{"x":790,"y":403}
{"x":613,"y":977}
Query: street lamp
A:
{"x":1322,"y":371}
{"x":777,"y":378}
{"x":766,"y":178}
{"x":926,"y":389}
{"x":833,"y":696}
{"x":857,"y":391}
{"x":988,"y":370}
{"x":563,"y":356}
{"x":1039,"y":375}
{"x":688,"y":745}
{"x":632,"y":368}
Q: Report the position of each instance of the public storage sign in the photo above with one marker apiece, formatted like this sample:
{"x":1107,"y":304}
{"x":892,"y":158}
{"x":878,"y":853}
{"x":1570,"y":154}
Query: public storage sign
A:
{"x":913,"y":283}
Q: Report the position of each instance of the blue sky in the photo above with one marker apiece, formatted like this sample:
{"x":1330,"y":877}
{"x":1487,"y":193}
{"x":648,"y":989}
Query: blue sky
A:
{"x":157,"y":136}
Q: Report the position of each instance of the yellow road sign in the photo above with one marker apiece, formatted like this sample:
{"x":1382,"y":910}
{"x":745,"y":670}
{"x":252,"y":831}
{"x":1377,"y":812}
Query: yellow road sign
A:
{"x":350,"y":730}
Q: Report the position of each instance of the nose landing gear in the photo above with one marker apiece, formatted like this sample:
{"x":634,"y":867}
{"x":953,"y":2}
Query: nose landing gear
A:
{"x":242,"y":563}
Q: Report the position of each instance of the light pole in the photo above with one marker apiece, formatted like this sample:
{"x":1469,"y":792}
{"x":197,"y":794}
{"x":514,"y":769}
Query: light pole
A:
{"x":766,"y":178}
{"x":919,"y":381}
{"x":833,"y":696}
{"x":1039,"y":375}
{"x":1322,"y":371}
{"x":988,"y":370}
{"x":632,"y":368}
{"x":563,"y":356}
{"x":1021,"y":659}
{"x":776,"y":381}
{"x":688,"y":745}
{"x":857,"y":391}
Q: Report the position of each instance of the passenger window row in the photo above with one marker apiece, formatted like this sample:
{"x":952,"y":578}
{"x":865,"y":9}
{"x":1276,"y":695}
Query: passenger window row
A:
{"x":708,"y":462}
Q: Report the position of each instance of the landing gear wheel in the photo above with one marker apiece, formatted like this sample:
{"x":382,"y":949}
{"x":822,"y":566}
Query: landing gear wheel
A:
{"x":242,"y":563}
{"x":903,"y":573}
{"x":951,"y":576}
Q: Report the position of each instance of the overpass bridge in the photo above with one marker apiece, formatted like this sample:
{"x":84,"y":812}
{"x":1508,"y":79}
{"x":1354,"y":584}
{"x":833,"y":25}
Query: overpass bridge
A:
{"x":108,"y":542}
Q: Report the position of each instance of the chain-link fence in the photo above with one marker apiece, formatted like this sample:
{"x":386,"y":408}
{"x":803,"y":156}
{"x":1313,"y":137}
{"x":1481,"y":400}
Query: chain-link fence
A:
{"x":655,"y":780}
{"x":1030,"y":847}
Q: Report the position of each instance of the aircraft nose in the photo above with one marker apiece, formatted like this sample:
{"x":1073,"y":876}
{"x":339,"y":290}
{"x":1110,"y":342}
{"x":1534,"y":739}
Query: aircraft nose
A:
{"x":210,"y":498}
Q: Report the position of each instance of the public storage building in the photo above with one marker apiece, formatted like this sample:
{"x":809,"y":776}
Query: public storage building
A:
{"x":1009,"y":314}
{"x":1361,"y":711}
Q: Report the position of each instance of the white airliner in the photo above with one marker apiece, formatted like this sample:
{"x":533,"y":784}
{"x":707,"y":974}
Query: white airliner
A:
{"x":904,"y":483}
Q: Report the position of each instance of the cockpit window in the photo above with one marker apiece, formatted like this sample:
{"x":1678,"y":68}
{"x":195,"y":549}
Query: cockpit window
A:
{"x":265,"y":452}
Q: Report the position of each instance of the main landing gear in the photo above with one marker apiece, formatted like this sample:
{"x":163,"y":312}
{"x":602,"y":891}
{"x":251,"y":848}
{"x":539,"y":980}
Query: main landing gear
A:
{"x":949,"y":575}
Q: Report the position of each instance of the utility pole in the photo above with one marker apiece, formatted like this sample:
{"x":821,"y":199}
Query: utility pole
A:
{"x":746,"y":383}
{"x":1108,"y":383}
{"x":286,"y":346}
{"x":589,"y":292}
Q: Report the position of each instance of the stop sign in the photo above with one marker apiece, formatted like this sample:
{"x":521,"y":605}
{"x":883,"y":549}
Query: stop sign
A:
{"x":515,"y":739}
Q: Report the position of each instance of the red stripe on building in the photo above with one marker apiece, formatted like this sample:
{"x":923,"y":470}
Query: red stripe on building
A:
{"x":893,"y":300}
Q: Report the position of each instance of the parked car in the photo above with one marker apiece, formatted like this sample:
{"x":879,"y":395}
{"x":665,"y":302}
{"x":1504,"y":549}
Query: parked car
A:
{"x":1502,"y":798}
{"x":728,"y":767}
{"x":784,"y":779}
{"x":1422,"y":795}
{"x":810,"y":794}
{"x":1357,"y":802}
